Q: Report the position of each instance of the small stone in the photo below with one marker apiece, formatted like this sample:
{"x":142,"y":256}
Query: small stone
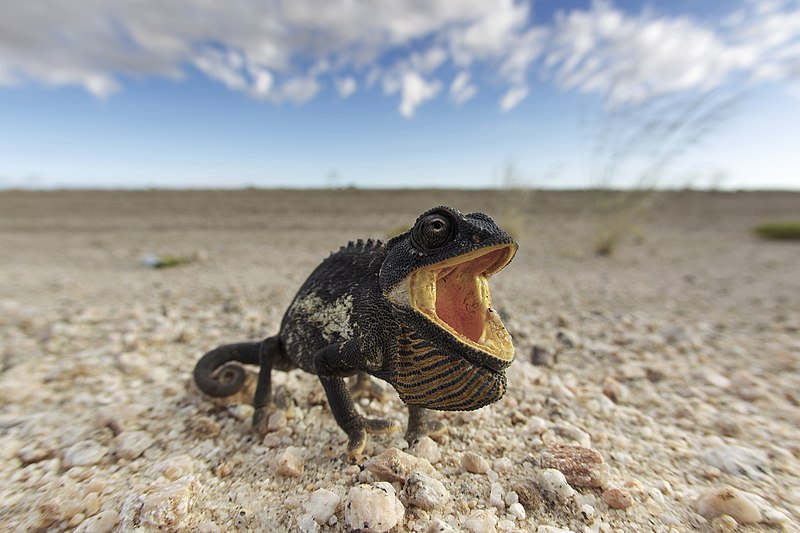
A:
{"x":511,"y":498}
{"x":724,"y":524}
{"x":529,"y":496}
{"x":615,"y":391}
{"x":84,"y":453}
{"x":102,"y":522}
{"x":617,"y":498}
{"x":426,"y":448}
{"x":738,"y":460}
{"x":517,"y":511}
{"x":91,"y":504}
{"x":588,"y":513}
{"x":373,"y":507}
{"x":440,"y":526}
{"x":568,"y":431}
{"x":425,"y":492}
{"x":307,"y":524}
{"x":582,"y":466}
{"x":322,"y":505}
{"x":33,"y":453}
{"x":289,"y":463}
{"x":728,"y":501}
{"x":474,"y":463}
{"x":168,"y":504}
{"x":536,"y":425}
{"x":502,"y":464}
{"x":567,"y":338}
{"x":241,"y":412}
{"x":132,"y":444}
{"x":554,"y":484}
{"x":395,"y":465}
{"x":276,"y":421}
{"x":541,"y":356}
{"x":482,"y":521}
{"x":496,"y":496}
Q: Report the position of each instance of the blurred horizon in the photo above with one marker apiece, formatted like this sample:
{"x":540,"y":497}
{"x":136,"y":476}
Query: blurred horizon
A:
{"x":476,"y":94}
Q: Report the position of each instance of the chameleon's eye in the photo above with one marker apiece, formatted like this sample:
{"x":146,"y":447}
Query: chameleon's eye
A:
{"x":433,"y":231}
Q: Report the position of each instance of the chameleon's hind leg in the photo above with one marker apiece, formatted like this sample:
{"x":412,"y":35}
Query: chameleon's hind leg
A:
{"x":262,"y":400}
{"x":419,"y":424}
{"x":365,"y":387}
{"x":331,"y":363}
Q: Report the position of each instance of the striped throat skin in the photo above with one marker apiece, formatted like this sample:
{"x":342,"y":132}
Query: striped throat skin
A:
{"x":435,"y":378}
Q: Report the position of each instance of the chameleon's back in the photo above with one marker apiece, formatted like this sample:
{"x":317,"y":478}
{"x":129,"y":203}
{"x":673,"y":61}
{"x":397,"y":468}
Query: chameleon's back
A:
{"x":336,"y":303}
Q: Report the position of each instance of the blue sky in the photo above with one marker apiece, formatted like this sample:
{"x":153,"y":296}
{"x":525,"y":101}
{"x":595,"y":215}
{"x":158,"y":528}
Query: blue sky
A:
{"x":433,"y":93}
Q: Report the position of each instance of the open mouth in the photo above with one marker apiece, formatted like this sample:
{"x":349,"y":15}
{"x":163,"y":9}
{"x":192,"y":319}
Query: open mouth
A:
{"x":454,"y":294}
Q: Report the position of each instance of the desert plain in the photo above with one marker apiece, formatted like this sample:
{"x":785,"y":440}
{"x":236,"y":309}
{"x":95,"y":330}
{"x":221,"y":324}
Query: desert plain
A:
{"x":655,"y":389}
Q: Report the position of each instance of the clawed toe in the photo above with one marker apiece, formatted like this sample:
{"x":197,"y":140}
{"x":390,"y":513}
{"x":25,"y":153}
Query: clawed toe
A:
{"x":381,"y":425}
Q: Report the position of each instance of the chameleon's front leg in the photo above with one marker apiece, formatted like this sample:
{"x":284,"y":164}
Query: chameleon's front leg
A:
{"x":331,"y":364}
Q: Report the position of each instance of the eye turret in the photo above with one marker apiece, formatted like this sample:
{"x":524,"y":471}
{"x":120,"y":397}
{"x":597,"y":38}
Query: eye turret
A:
{"x":433,"y":231}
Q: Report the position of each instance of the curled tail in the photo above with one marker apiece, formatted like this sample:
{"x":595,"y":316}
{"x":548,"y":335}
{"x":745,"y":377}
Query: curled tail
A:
{"x":230,"y":379}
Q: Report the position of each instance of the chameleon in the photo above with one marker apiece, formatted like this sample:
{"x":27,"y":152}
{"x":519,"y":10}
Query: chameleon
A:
{"x":414,"y":311}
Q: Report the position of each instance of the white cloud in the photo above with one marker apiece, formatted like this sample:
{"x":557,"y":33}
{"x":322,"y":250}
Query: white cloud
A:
{"x":514,"y":96}
{"x":415,"y":91}
{"x":280,"y":50}
{"x":461,"y":89}
{"x":346,"y":86}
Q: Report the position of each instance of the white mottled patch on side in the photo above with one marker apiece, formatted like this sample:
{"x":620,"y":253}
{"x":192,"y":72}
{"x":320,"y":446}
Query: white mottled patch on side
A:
{"x":332,"y":319}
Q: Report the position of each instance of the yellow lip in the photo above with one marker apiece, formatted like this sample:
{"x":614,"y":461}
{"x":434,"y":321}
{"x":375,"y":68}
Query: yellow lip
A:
{"x":454,"y":294}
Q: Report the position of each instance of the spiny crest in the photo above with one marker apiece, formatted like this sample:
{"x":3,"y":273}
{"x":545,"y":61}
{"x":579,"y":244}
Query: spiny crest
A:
{"x":362,"y":245}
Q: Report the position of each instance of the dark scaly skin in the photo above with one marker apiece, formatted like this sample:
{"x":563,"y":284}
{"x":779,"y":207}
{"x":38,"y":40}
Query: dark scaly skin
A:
{"x":342,"y":323}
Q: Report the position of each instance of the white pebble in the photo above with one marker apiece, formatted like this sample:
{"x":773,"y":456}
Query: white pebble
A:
{"x":289,"y":463}
{"x":472,"y":462}
{"x":425,"y":492}
{"x":483,"y":521}
{"x":322,"y":505}
{"x":440,"y":526}
{"x":517,"y":511}
{"x":395,"y":465}
{"x":373,"y":507}
{"x":554,"y":484}
{"x":132,"y":444}
{"x":307,"y":524}
{"x":728,"y":501}
{"x":511,"y":498}
{"x":502,"y":464}
{"x":496,"y":496}
{"x":84,"y":453}
{"x":426,"y":448}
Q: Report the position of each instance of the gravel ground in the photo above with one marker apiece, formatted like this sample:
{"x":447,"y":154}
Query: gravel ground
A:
{"x":654,"y":390}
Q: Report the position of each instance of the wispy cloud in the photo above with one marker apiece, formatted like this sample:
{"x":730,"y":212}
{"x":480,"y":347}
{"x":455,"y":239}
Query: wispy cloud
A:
{"x":289,"y":50}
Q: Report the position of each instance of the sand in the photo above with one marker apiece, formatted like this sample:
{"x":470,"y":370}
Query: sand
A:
{"x":654,"y":390}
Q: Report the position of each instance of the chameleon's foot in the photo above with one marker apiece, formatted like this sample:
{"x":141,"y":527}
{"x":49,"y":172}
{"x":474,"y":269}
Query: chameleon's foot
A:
{"x":366,"y":387}
{"x":357,"y":437}
{"x":261,"y":419}
{"x":431,"y":428}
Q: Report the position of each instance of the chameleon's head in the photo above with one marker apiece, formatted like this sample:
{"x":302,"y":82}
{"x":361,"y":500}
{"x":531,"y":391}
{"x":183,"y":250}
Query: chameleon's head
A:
{"x":441,"y":267}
